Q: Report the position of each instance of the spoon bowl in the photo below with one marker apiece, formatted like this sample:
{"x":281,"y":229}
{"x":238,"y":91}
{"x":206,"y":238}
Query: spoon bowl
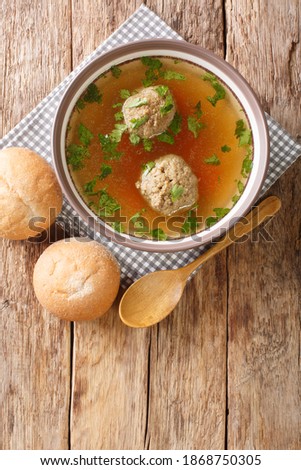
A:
{"x":154,"y":296}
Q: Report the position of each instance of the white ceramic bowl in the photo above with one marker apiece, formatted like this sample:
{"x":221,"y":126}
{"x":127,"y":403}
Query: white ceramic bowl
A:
{"x":198,"y":56}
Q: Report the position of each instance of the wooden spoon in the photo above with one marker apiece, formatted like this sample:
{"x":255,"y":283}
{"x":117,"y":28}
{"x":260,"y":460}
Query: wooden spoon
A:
{"x":155,"y":295}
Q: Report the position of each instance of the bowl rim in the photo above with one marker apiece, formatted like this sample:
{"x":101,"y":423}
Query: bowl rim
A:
{"x":171,"y":47}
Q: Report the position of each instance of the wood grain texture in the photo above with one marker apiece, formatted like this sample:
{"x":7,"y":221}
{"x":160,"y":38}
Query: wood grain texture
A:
{"x":35,"y":348}
{"x":109,"y":394}
{"x":180,"y":384}
{"x":264,"y":376}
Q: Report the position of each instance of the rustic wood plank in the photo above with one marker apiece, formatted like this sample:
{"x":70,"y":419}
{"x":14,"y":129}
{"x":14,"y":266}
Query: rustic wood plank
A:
{"x":109,"y":397}
{"x":187,"y":402}
{"x":35,"y":348}
{"x":265,"y":283}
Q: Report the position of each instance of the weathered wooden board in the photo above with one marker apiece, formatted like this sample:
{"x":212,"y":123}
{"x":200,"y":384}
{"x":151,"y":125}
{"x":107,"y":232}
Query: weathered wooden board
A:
{"x":35,"y":348}
{"x":224,"y":368}
{"x":264,"y":380}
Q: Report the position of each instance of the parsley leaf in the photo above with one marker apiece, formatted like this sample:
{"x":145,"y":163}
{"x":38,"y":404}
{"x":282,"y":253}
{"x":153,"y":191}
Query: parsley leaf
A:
{"x":194,"y":125}
{"x":76,"y":155}
{"x":168,"y":105}
{"x":107,"y":205}
{"x":147,"y":167}
{"x":176,"y":124}
{"x":225,"y":148}
{"x":171,"y":75}
{"x":92,"y":94}
{"x":147,"y":144}
{"x":117,"y":226}
{"x":158,"y":234}
{"x":246,"y":165}
{"x":213,"y":160}
{"x":116,"y":133}
{"x":240,"y":187}
{"x":162,"y":90}
{"x":152,"y":73}
{"x":85,"y":136}
{"x":90,"y":186}
{"x":191,"y":223}
{"x":118,"y":116}
{"x":139,"y":121}
{"x":166,"y":137}
{"x":211,"y":221}
{"x":221,"y":212}
{"x":134,"y":139}
{"x":220,"y":91}
{"x":124,"y":94}
{"x":136,"y":102}
{"x":176,"y":192}
{"x":109,"y":147}
{"x":242,"y":133}
{"x":117,"y":105}
{"x":116,"y":71}
{"x":105,"y":170}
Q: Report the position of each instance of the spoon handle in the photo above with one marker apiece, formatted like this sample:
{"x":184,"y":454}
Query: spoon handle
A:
{"x":255,"y":217}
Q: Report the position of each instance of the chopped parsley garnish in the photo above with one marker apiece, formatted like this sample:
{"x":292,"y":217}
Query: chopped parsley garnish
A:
{"x":166,"y":137}
{"x":80,"y":104}
{"x":105,"y":170}
{"x":176,"y":192}
{"x":194,"y":122}
{"x":176,"y":124}
{"x":147,"y":144}
{"x":191,"y":223}
{"x":85,"y":136}
{"x":76,"y":154}
{"x":246,"y":165}
{"x":235,"y":198}
{"x":90,"y":186}
{"x":162,"y":90}
{"x":168,"y":105}
{"x":109,"y":147}
{"x":124,"y":94}
{"x":213,"y":160}
{"x":220,"y":91}
{"x":172,"y":75}
{"x":242,"y":133}
{"x":147,"y":167}
{"x":152,"y":73}
{"x":240,"y":187}
{"x":139,"y":223}
{"x":116,"y":133}
{"x":221,"y":212}
{"x":92,"y":94}
{"x":137,"y":102}
{"x":139,"y":121}
{"x":158,"y":234}
{"x":117,"y":105}
{"x":117,"y":226}
{"x":211,"y":221}
{"x":225,"y":148}
{"x":107,"y":205}
{"x":118,"y":116}
{"x":134,"y":139}
{"x":116,"y":71}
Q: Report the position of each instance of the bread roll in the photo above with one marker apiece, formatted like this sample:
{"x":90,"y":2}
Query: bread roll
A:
{"x":76,"y":279}
{"x":28,"y":190}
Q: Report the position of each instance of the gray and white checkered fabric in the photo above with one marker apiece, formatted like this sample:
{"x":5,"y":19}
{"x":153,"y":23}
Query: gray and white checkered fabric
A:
{"x":34,"y":132}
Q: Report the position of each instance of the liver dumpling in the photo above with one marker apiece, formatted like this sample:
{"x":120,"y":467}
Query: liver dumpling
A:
{"x":150,"y":111}
{"x":168,"y":185}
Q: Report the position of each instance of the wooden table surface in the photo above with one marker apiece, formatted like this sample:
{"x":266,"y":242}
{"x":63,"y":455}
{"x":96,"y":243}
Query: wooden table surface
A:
{"x":223,"y":371}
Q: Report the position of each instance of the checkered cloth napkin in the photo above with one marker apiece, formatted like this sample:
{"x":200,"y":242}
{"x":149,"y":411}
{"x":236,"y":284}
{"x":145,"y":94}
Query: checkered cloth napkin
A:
{"x":34,"y":131}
